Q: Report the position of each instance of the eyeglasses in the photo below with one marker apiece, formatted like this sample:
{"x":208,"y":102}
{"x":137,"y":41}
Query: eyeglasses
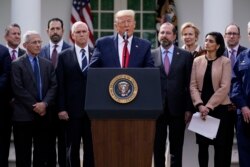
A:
{"x":232,"y":33}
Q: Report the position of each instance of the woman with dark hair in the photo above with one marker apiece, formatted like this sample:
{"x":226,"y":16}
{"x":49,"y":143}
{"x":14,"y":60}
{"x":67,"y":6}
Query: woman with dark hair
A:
{"x":209,"y":88}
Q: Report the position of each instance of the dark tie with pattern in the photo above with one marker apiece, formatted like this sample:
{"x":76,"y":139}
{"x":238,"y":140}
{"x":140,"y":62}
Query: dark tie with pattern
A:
{"x":232,"y":57}
{"x":166,"y":62}
{"x":84,"y":62}
{"x":54,"y":56}
{"x":38,"y":78}
{"x":13,"y":56}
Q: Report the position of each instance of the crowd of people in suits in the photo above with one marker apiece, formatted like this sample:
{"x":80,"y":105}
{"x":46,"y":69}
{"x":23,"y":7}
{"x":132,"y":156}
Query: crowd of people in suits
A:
{"x":42,"y":90}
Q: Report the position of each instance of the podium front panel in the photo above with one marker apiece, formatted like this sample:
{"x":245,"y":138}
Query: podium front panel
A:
{"x":146,"y":104}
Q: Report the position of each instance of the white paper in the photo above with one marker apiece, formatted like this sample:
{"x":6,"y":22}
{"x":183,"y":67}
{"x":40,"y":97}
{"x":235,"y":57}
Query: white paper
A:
{"x":207,"y":128}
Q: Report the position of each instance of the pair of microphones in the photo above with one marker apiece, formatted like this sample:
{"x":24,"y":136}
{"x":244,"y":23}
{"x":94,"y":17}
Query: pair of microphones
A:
{"x":125,"y":36}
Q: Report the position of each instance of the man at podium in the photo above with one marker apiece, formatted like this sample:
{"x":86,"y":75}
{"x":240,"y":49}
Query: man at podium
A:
{"x":123,"y":49}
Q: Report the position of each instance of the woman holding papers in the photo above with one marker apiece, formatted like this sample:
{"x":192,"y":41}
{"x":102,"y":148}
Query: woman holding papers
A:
{"x":209,"y":88}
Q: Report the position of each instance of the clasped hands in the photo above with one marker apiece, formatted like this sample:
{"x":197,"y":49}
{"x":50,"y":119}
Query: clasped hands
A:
{"x":40,"y":108}
{"x":203,"y":111}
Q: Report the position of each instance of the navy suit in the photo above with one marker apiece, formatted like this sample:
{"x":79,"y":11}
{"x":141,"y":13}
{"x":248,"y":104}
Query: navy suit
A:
{"x":5,"y":96}
{"x":106,"y":53}
{"x":176,"y":100}
{"x":58,"y":129}
{"x":21,"y":52}
{"x":242,"y":139}
{"x":27,"y":124}
{"x":240,"y":49}
{"x":45,"y":52}
{"x":71,"y":98}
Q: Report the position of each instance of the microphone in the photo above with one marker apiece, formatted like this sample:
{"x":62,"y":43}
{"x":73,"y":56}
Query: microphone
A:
{"x":125,"y":35}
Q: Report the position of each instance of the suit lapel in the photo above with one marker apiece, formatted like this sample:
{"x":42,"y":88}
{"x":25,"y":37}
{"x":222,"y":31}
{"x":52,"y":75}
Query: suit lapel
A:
{"x":21,"y":52}
{"x":174,"y":62}
{"x":47,"y":49}
{"x":133,"y":51}
{"x":29,"y":67}
{"x":116,"y":51}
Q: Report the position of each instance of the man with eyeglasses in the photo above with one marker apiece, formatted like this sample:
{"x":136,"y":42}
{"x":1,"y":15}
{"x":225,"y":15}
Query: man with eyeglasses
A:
{"x":34,"y":86}
{"x":232,"y":39}
{"x":123,"y":49}
{"x":233,"y":49}
{"x":240,"y":95}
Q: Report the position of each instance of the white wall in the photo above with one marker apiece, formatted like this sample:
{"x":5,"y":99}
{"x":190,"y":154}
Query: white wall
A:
{"x":188,"y":10}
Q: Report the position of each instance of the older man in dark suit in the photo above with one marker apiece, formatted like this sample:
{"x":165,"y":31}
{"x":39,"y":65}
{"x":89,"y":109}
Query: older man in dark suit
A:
{"x":5,"y":96}
{"x":50,"y":51}
{"x":123,"y":49}
{"x":34,"y":86}
{"x":72,"y":75}
{"x":175,"y":65}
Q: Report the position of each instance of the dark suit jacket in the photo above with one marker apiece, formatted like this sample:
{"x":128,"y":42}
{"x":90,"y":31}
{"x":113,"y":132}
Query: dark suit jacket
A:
{"x":21,"y":52}
{"x":45,"y":52}
{"x":5,"y":68}
{"x":175,"y":86}
{"x":106,"y":53}
{"x":240,"y":49}
{"x":71,"y":83}
{"x":24,"y":87}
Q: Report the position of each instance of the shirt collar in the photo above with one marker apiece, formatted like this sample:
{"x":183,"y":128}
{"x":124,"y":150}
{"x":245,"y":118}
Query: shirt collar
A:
{"x":59,"y":44}
{"x":120,"y":39}
{"x":171,"y":49}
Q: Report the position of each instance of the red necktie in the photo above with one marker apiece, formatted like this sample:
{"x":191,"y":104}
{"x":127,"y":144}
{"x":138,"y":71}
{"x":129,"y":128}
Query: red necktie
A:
{"x":54,"y":56}
{"x":13,"y":56}
{"x":166,"y":63}
{"x":125,"y":55}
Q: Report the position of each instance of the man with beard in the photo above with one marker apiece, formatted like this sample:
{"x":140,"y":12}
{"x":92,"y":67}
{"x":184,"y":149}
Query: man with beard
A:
{"x":50,"y":51}
{"x":175,"y":66}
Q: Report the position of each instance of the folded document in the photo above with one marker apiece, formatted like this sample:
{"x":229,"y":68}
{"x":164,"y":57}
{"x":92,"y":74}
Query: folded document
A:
{"x":207,"y":128}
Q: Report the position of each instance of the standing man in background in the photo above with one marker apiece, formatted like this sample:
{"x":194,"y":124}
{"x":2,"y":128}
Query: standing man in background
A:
{"x":233,"y":49}
{"x":34,"y":86}
{"x":175,"y":66}
{"x":110,"y":50}
{"x":72,"y":76}
{"x":50,"y":51}
{"x":240,"y":96}
{"x":13,"y":40}
{"x":5,"y":97}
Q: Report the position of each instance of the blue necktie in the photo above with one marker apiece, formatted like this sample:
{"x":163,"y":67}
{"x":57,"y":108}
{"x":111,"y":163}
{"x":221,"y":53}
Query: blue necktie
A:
{"x":84,"y":62}
{"x":38,"y":78}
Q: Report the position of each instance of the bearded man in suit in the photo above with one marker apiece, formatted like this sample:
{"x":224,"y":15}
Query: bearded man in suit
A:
{"x":175,"y":67}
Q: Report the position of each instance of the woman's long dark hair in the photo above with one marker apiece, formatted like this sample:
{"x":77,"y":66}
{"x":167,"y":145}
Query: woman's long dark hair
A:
{"x":220,"y":41}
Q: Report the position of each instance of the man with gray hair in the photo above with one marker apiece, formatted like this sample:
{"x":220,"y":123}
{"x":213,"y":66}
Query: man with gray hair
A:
{"x":240,"y":95}
{"x":34,"y":86}
{"x":71,"y":72}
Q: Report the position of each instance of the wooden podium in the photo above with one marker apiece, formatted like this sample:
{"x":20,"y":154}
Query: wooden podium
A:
{"x":123,"y":133}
